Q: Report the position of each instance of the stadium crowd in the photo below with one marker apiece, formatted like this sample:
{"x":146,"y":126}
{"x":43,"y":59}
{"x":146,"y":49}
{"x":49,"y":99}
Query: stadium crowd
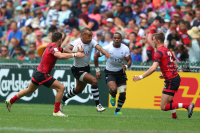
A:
{"x":26,"y":25}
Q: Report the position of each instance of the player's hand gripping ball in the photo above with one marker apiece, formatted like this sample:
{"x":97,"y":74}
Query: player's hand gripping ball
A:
{"x":78,"y":48}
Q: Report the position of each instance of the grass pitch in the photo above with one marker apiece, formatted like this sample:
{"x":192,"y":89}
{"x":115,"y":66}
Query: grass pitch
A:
{"x":84,"y":119}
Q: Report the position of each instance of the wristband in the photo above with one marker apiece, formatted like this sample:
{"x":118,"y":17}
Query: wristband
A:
{"x":97,"y":69}
{"x":72,"y":55}
{"x":126,"y":66}
{"x":141,"y":77}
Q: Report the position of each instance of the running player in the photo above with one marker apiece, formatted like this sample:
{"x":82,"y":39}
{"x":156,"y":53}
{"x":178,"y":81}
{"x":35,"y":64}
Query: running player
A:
{"x":81,"y":68}
{"x":168,"y":65}
{"x":41,"y":75}
{"x":115,"y":70}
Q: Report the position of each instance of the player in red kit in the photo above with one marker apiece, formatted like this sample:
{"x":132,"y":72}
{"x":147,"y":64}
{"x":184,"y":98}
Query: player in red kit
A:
{"x":151,"y":30}
{"x":168,"y":65}
{"x":41,"y":76}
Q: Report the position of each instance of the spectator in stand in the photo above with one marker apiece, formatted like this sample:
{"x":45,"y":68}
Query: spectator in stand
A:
{"x":188,"y":8}
{"x":143,"y":26}
{"x":71,"y":22}
{"x":135,"y":54}
{"x":95,"y":15}
{"x":108,"y":38}
{"x":15,"y":33}
{"x":194,"y":45}
{"x":172,"y":39}
{"x":19,"y":53}
{"x":152,"y":29}
{"x":38,"y":38}
{"x":132,"y":38}
{"x":189,"y":16}
{"x":120,"y":12}
{"x":9,"y":6}
{"x":130,"y":27}
{"x":31,"y":56}
{"x":177,"y":11}
{"x":129,"y":13}
{"x":39,"y":17}
{"x":98,"y":4}
{"x":13,"y":45}
{"x":19,"y":15}
{"x":4,"y":53}
{"x":137,"y":13}
{"x":52,"y":16}
{"x":93,"y":23}
{"x":148,"y":4}
{"x":5,"y":15}
{"x":181,"y":53}
{"x":52,"y":29}
{"x":197,"y":21}
{"x":34,"y":48}
{"x":110,"y":24}
{"x":84,"y":13}
{"x":182,"y":32}
{"x":64,"y":14}
{"x":25,"y":21}
{"x":29,"y":35}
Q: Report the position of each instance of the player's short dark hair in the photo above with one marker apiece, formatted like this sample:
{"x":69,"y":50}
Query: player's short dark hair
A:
{"x":120,"y":3}
{"x":85,"y":29}
{"x":56,"y":36}
{"x":118,"y":34}
{"x":159,"y":36}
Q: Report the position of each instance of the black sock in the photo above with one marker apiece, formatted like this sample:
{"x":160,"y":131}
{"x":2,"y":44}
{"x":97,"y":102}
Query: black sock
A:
{"x":95,"y":93}
{"x":68,"y":95}
{"x":121,"y":101}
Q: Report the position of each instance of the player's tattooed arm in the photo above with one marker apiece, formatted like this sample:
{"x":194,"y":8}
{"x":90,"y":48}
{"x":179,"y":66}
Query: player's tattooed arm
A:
{"x":103,"y":51}
{"x":96,"y":63}
{"x":68,"y":49}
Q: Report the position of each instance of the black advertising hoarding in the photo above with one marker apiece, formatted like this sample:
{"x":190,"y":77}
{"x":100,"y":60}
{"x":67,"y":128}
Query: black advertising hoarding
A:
{"x":13,"y":80}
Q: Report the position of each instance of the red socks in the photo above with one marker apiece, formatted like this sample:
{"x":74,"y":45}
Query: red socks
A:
{"x":171,"y":106}
{"x":56,"y":107}
{"x":13,"y":99}
{"x":174,"y":115}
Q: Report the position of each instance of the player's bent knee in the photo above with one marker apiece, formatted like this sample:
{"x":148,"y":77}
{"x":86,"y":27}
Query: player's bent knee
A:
{"x":62,"y":89}
{"x":113,"y":89}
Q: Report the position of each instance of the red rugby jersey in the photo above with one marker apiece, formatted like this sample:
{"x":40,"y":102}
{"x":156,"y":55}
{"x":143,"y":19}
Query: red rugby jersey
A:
{"x":151,"y":30}
{"x":48,"y":59}
{"x":166,"y":62}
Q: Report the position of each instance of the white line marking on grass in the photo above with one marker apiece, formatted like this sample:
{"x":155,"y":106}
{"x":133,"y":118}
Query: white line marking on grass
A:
{"x":86,"y":130}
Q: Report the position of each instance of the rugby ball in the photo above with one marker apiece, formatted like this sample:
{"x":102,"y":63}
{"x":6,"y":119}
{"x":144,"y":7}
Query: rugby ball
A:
{"x":77,"y":47}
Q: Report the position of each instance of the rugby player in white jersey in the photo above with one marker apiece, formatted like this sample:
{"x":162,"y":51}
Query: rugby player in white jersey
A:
{"x":115,"y":70}
{"x":81,"y":68}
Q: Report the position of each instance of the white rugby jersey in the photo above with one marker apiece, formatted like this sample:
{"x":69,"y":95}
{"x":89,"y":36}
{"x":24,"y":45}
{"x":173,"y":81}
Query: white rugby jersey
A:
{"x":117,"y":55}
{"x":82,"y":62}
{"x":52,"y":15}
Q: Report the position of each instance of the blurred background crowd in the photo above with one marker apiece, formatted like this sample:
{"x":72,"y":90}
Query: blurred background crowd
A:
{"x":26,"y":26}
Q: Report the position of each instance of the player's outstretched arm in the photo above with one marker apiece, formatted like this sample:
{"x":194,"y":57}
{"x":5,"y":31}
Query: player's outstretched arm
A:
{"x":96,"y":63}
{"x":151,"y":70}
{"x":68,"y":55}
{"x":103,"y":51}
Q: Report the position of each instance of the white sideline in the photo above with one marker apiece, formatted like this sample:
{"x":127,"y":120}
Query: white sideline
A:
{"x":84,"y":130}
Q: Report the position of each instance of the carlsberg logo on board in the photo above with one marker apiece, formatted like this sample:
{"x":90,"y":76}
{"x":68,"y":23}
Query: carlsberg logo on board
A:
{"x":72,"y":84}
{"x":11,"y":83}
{"x":11,"y":86}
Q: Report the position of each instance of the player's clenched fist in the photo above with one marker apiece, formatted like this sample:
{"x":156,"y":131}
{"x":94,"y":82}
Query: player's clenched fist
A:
{"x":136,"y":78}
{"x":161,"y":76}
{"x":79,"y":54}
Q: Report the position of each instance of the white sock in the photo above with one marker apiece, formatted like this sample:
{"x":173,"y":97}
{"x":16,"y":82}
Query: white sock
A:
{"x":180,"y":105}
{"x":173,"y":111}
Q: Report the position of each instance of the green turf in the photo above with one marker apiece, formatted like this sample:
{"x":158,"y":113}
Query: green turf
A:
{"x":84,"y":119}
